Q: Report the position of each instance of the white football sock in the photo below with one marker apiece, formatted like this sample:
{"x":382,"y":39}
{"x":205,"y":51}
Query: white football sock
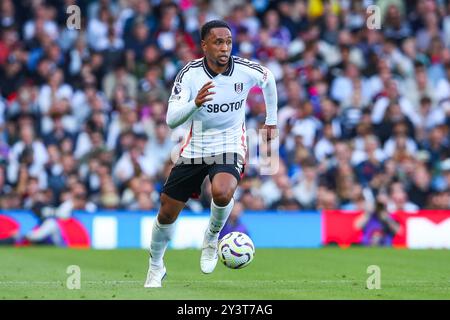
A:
{"x":161,"y":235}
{"x":219,"y":216}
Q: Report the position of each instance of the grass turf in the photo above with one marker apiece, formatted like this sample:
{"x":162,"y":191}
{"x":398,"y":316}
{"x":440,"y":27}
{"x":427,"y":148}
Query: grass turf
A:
{"x":327,"y":273}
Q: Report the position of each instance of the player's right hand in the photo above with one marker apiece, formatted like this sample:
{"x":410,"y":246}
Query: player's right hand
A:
{"x":204,"y":94}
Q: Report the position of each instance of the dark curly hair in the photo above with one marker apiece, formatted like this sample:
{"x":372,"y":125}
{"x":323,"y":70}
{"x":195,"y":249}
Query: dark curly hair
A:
{"x":211,"y":25}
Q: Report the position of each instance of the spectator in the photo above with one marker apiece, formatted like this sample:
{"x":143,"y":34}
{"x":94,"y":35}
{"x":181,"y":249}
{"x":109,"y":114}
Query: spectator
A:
{"x":59,"y":132}
{"x":145,"y":203}
{"x":109,"y":198}
{"x":445,"y":168}
{"x":431,"y":116}
{"x":133,"y":163}
{"x":43,"y":21}
{"x":344,"y":87}
{"x":306,"y":124}
{"x":120,"y":77}
{"x":55,"y":90}
{"x":142,"y":11}
{"x":271,"y":189}
{"x":420,"y":86}
{"x":324,"y":147}
{"x":371,"y":163}
{"x":140,"y":40}
{"x":59,"y":171}
{"x":161,"y":145}
{"x":398,"y":199}
{"x":29,"y":151}
{"x":251,"y":201}
{"x":420,"y":188}
{"x":279,"y":35}
{"x":326,"y":199}
{"x":97,"y":29}
{"x":395,"y":26}
{"x":305,"y":190}
{"x":287,"y":201}
{"x":378,"y":227}
{"x":437,"y":146}
{"x":439,"y":200}
{"x":11,"y":76}
{"x":151,"y":87}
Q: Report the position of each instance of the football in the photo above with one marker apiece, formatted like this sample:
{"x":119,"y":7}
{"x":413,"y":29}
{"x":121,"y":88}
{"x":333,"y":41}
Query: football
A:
{"x":236,"y":250}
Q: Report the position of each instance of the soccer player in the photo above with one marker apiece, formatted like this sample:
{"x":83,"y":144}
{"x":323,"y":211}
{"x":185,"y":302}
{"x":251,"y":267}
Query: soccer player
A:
{"x":209,"y":96}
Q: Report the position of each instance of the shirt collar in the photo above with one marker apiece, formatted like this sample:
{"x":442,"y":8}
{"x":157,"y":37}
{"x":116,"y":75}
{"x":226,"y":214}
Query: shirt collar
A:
{"x":212,"y":74}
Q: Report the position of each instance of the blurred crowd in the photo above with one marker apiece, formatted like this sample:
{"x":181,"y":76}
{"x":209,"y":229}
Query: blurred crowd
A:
{"x":364,"y":114}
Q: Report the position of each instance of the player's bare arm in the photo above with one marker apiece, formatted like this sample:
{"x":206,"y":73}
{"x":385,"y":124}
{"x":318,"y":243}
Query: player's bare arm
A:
{"x":270,"y":130}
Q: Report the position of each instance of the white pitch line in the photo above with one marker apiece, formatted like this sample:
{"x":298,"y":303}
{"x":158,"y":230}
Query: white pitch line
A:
{"x":306,"y":282}
{"x":58,"y":283}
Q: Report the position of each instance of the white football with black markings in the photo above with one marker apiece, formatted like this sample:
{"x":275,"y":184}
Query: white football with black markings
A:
{"x":236,"y":250}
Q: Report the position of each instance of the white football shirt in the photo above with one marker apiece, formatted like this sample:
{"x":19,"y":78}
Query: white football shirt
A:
{"x":218,"y":126}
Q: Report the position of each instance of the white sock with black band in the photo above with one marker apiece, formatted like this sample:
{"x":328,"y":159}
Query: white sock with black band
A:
{"x":219,"y":216}
{"x":161,"y":235}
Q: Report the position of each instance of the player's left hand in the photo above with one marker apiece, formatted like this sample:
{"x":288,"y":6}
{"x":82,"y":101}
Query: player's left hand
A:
{"x":270,"y":132}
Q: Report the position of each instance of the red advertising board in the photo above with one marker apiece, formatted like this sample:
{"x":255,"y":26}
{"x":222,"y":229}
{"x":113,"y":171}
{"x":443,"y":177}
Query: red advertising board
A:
{"x":8,"y":227}
{"x":338,"y":227}
{"x":423,"y":229}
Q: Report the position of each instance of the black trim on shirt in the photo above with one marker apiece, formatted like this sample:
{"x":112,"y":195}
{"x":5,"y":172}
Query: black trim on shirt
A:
{"x":211,"y":73}
{"x":249,"y":64}
{"x":185,"y":69}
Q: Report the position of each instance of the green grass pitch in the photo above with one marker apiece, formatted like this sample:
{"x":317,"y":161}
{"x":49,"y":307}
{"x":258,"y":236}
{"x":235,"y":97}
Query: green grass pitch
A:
{"x":326,"y":273}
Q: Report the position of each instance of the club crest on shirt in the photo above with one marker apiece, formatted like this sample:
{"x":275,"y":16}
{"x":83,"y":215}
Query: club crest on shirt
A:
{"x":238,"y":87}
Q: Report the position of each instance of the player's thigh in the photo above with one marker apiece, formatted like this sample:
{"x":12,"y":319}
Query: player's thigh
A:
{"x":184,"y":182}
{"x":225,"y":177}
{"x":223,"y":186}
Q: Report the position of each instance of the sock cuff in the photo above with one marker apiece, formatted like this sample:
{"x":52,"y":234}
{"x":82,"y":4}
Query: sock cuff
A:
{"x":162,"y":226}
{"x":231,"y":203}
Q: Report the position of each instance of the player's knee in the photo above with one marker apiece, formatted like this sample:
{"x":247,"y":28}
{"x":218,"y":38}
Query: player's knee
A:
{"x":222,"y":197}
{"x":165,"y":215}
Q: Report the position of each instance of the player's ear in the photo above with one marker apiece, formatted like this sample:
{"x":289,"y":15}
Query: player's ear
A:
{"x":203,"y":45}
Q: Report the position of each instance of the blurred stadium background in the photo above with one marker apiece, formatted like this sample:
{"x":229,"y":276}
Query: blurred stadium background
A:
{"x":364,"y":118}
